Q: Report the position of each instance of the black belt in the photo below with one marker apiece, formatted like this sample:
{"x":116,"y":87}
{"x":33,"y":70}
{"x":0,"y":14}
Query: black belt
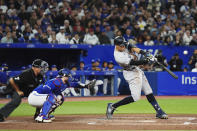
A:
{"x":129,"y":69}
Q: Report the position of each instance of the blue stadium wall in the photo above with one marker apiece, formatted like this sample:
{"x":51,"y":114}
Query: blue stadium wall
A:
{"x":161,"y":82}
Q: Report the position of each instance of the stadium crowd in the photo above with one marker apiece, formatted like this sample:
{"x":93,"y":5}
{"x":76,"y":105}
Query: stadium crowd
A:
{"x":148,"y":22}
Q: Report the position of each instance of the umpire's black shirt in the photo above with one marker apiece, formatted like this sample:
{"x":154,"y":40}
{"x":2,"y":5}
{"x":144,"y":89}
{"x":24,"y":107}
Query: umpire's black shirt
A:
{"x":27,"y":81}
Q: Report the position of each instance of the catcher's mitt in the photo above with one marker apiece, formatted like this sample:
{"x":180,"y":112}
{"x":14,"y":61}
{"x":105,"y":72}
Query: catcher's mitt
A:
{"x":91,"y":85}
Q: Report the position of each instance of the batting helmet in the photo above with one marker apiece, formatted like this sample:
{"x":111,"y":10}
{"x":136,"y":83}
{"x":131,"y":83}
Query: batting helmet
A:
{"x":119,"y":40}
{"x":64,"y":73}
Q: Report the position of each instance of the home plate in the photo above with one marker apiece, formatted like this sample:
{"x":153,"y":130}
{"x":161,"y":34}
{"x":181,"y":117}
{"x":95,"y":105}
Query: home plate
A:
{"x":187,"y":123}
{"x":91,"y":123}
{"x":147,"y":121}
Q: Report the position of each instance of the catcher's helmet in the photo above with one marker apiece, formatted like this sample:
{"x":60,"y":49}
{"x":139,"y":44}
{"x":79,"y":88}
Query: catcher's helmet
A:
{"x":119,"y":40}
{"x":64,"y":73}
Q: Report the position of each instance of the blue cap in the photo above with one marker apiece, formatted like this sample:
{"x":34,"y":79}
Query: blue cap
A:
{"x":103,"y":30}
{"x":1,"y":68}
{"x":23,"y":68}
{"x":93,"y":61}
{"x":29,"y":66}
{"x":98,"y":60}
{"x":4,"y":65}
{"x":111,"y":62}
{"x":67,"y":34}
{"x":81,"y":61}
{"x":107,"y":24}
{"x":36,"y":34}
{"x":129,"y":28}
{"x":53,"y":66}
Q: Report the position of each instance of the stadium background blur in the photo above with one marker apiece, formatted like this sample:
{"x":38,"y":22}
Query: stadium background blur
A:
{"x":147,"y":23}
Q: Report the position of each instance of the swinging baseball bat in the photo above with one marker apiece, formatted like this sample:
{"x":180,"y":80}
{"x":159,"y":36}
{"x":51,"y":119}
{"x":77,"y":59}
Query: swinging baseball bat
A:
{"x":166,"y":69}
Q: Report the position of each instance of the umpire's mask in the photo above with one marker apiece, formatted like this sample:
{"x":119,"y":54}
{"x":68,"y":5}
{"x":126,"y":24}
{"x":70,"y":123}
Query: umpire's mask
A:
{"x":43,"y":65}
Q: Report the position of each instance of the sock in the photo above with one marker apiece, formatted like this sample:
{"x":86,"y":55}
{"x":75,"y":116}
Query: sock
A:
{"x":154,"y":103}
{"x":124,"y":101}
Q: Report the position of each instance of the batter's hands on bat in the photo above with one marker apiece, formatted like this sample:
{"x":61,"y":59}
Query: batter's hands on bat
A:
{"x":150,"y":57}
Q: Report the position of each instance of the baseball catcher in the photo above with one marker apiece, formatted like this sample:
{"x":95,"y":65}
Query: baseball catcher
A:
{"x":47,"y":97}
{"x":125,"y":55}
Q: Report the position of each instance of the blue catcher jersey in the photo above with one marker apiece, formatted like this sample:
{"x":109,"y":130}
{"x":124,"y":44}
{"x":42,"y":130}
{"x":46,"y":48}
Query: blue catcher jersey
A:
{"x":54,"y":86}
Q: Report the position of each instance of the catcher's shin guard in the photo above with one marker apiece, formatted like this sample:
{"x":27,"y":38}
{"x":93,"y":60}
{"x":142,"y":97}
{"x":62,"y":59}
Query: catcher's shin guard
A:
{"x":47,"y":106}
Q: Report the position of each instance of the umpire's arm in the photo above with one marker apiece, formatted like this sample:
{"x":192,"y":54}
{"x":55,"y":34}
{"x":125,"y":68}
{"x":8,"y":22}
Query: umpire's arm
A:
{"x":13,"y":84}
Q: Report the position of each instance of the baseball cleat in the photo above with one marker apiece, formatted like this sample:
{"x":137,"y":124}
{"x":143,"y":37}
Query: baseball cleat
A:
{"x":42,"y":119}
{"x":163,"y":115}
{"x":109,"y":111}
{"x":52,"y":117}
{"x":2,"y":118}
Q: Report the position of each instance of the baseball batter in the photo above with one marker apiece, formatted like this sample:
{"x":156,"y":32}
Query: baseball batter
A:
{"x":125,"y":56}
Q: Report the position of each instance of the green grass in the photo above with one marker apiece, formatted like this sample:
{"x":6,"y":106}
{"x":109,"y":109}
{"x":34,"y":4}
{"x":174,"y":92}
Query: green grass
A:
{"x":171,"y":106}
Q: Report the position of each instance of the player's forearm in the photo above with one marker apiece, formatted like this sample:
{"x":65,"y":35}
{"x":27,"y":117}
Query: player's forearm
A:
{"x":137,"y":50}
{"x":16,"y":88}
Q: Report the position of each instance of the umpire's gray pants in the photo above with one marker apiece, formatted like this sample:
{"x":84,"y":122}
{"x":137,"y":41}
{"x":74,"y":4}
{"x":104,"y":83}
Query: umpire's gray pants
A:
{"x":12,"y":105}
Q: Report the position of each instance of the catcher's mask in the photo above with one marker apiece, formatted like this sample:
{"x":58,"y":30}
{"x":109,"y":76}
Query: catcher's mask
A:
{"x":64,"y":73}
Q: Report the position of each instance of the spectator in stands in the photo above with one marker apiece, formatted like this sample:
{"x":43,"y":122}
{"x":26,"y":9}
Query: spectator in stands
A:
{"x":35,"y":17}
{"x":194,"y":69}
{"x":185,"y":8}
{"x":193,"y":59}
{"x":103,"y":38}
{"x":14,"y":37}
{"x":75,"y":39}
{"x":168,"y":41}
{"x":44,"y":38}
{"x":8,"y":38}
{"x":194,"y":40}
{"x":109,"y":32}
{"x":141,"y":23}
{"x":3,"y":6}
{"x":1,"y":32}
{"x":158,"y":40}
{"x":127,"y":36}
{"x":148,"y":41}
{"x":187,"y":38}
{"x":175,"y":63}
{"x":91,"y":38}
{"x":35,"y":39}
{"x":52,"y":38}
{"x":61,"y":35}
{"x":68,"y":28}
